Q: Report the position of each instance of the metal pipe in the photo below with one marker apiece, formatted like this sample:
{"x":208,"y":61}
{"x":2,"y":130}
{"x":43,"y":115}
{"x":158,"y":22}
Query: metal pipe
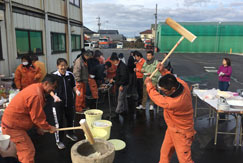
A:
{"x":195,"y":107}
{"x":47,"y":38}
{"x":68,"y":33}
{"x":9,"y":32}
{"x":236,"y":128}
{"x":216,"y":129}
{"x":241,"y":130}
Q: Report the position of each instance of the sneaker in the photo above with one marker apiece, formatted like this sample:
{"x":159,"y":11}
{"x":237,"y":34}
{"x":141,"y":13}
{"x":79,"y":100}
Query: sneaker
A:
{"x":72,"y":137}
{"x":89,"y":97}
{"x":80,"y":112}
{"x":140,"y":107}
{"x":60,"y":145}
{"x":151,"y":107}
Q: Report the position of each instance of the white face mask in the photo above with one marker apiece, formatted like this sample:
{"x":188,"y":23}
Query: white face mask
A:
{"x":25,"y":63}
{"x":117,"y":64}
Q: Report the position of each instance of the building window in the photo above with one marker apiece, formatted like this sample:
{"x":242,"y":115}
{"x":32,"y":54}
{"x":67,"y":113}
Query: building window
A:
{"x":75,"y":2}
{"x":76,"y":42}
{"x":29,"y":42}
{"x":1,"y":52}
{"x":58,"y":43}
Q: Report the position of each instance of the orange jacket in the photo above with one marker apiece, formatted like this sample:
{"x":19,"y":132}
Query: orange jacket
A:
{"x":26,"y":76}
{"x":178,"y":111}
{"x":139,"y":67}
{"x":111,"y":72}
{"x":26,"y":109}
{"x":42,"y":67}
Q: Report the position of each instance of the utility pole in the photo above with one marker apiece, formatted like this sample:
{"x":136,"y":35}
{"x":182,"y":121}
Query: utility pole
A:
{"x":99,"y":24}
{"x":155,"y":26}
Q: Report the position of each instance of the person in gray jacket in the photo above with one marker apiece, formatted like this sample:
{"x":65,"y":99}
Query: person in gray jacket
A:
{"x":81,"y":75}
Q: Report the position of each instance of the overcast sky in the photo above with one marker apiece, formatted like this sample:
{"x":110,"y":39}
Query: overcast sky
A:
{"x":133,"y":16}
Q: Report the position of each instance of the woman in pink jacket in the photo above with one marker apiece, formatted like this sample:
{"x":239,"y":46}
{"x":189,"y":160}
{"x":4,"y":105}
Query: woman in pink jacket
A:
{"x":224,"y":73}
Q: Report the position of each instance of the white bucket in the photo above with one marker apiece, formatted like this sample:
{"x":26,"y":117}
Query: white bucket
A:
{"x":4,"y":141}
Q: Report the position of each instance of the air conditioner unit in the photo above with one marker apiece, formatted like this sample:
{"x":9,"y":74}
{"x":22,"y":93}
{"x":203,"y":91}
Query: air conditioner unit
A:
{"x":1,"y":17}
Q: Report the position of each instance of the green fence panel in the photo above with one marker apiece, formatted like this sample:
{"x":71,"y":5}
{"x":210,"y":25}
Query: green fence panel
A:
{"x":211,"y":38}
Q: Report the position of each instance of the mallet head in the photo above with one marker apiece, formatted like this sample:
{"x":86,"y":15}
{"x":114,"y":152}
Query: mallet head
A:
{"x":178,"y":28}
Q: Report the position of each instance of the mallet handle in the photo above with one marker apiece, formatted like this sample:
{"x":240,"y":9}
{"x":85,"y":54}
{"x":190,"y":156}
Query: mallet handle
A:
{"x":171,"y":51}
{"x":69,"y":128}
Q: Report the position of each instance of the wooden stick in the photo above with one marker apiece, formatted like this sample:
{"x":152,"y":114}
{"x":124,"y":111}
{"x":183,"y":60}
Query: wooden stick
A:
{"x":69,"y":128}
{"x":171,"y":51}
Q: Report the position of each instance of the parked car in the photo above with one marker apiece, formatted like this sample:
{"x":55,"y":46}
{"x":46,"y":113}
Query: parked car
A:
{"x":95,"y":44}
{"x":119,"y":45}
{"x":88,"y":46}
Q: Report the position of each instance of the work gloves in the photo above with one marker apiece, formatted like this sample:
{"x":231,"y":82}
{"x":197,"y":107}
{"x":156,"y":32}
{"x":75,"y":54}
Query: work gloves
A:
{"x":221,"y":74}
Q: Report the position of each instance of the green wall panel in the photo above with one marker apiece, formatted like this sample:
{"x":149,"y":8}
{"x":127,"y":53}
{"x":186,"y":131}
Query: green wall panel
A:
{"x":211,"y":38}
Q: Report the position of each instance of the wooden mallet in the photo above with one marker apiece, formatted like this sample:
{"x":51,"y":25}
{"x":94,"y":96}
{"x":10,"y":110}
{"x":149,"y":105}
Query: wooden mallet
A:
{"x":84,"y":126}
{"x":181,"y":30}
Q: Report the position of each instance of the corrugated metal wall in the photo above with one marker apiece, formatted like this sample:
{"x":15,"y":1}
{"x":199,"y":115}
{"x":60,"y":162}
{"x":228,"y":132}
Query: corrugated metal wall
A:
{"x":32,"y":3}
{"x":22,"y":20}
{"x":212,"y":38}
{"x":4,"y":67}
{"x":56,"y":7}
{"x":29,"y":23}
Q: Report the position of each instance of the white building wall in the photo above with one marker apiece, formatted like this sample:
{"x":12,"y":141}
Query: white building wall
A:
{"x":30,"y":23}
{"x":56,"y":7}
{"x":75,"y":13}
{"x":76,"y":31}
{"x":31,"y":3}
{"x":52,"y":58}
{"x":4,"y":66}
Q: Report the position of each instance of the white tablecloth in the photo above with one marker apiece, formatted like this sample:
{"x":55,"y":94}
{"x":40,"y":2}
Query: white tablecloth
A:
{"x":209,"y":96}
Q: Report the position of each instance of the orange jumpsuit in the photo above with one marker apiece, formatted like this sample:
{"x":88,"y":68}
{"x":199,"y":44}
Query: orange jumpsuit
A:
{"x":80,"y":72}
{"x":26,"y":76}
{"x":80,"y":100}
{"x":24,"y":111}
{"x":93,"y":88}
{"x":178,"y":114}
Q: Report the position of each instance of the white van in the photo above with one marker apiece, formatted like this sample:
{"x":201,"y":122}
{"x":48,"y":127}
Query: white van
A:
{"x":119,"y":45}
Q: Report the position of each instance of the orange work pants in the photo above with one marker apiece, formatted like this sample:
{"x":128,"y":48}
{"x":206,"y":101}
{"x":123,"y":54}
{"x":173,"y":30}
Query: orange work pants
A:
{"x":179,"y":142}
{"x":93,"y":88}
{"x":80,"y":100}
{"x":24,"y":145}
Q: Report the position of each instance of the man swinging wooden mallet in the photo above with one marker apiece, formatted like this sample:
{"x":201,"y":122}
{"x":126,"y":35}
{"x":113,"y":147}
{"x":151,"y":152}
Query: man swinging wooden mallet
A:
{"x":177,"y":104}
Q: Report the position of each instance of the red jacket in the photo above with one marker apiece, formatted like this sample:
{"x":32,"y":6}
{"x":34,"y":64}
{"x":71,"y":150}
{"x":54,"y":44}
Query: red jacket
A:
{"x":178,"y":111}
{"x":139,"y":67}
{"x":26,"y":109}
